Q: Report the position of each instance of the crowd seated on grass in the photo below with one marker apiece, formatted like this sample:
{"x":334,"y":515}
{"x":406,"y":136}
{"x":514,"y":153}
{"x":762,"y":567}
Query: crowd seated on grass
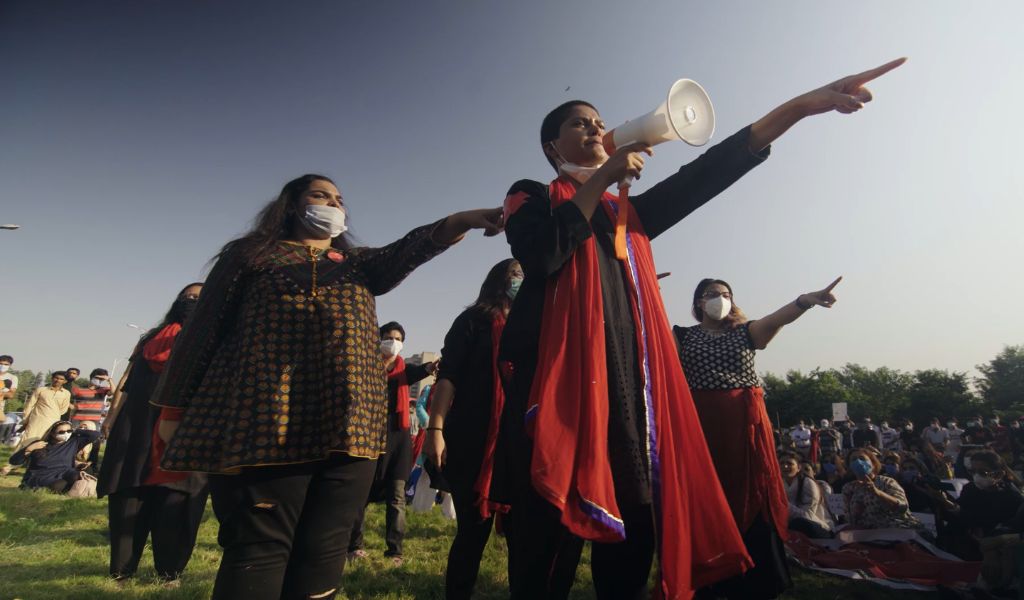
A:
{"x":50,"y":462}
{"x":807,"y":510}
{"x":958,"y":488}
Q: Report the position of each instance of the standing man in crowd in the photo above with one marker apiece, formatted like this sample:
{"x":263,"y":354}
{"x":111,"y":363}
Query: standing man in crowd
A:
{"x":867,"y":435}
{"x":8,"y":381}
{"x":8,"y":389}
{"x":955,"y":438}
{"x":801,"y":437}
{"x":830,"y":439}
{"x":890,"y":438}
{"x":936,"y":435}
{"x":394,"y":466}
{"x":43,"y":409}
{"x":71,"y":376}
{"x":89,"y":403}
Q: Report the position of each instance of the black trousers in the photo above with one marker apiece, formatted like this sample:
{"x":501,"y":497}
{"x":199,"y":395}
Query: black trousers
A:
{"x":394,"y":520}
{"x":173,"y":519}
{"x":468,"y":546}
{"x":543,"y":555}
{"x":284,"y":529}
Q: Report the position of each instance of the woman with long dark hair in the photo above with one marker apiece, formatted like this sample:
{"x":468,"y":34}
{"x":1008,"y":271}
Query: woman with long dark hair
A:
{"x":464,"y":416}
{"x":282,"y":390}
{"x":142,"y":498}
{"x":718,"y":359}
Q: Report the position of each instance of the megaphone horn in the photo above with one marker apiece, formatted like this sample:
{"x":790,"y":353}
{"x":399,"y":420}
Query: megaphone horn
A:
{"x":686,"y":114}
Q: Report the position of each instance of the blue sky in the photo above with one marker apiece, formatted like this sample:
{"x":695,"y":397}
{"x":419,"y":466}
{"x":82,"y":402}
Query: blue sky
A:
{"x":138,"y":137}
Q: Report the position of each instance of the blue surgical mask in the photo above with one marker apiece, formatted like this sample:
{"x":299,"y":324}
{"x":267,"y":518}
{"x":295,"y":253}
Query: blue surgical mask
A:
{"x":829,"y":468}
{"x":890,"y":470}
{"x":860,"y":467}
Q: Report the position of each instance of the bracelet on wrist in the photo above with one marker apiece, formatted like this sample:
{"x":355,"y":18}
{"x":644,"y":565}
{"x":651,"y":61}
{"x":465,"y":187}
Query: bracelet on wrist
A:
{"x":434,"y":428}
{"x":801,"y":305}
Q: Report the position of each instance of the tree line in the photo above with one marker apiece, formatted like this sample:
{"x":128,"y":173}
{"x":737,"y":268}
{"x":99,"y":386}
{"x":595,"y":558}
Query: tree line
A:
{"x":881,"y":393}
{"x":894,"y":395}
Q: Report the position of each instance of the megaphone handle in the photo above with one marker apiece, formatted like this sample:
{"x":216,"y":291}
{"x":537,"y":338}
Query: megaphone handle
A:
{"x":620,"y":223}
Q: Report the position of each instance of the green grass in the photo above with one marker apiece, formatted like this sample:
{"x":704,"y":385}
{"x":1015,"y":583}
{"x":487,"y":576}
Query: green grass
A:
{"x":54,"y":547}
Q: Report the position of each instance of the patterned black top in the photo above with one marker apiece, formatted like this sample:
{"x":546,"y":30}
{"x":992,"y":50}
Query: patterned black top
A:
{"x":718,"y":361}
{"x":279,"y":366}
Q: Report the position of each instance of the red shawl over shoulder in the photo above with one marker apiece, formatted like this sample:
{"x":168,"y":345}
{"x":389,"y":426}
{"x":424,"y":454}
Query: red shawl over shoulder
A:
{"x":698,"y":540}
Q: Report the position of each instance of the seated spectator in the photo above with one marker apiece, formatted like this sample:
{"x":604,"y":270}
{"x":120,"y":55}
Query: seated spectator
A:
{"x":891,"y":464}
{"x":86,"y":458}
{"x":923,"y":489}
{"x":873,"y":500}
{"x":989,"y":502}
{"x":833,"y":471}
{"x":807,"y":511}
{"x":51,"y":460}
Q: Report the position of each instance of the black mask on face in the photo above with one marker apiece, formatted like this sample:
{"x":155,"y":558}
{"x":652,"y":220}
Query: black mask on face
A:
{"x":183,"y":309}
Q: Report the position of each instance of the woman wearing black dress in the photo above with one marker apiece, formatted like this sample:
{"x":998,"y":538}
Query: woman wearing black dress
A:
{"x":144,"y":499}
{"x":463,"y":421}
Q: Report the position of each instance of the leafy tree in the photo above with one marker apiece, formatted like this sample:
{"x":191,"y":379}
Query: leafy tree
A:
{"x":1002,"y":380}
{"x":28,"y":381}
{"x":941,"y":394}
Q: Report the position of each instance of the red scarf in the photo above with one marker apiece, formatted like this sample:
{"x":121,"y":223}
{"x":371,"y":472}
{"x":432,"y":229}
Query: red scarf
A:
{"x":397,"y":373}
{"x":157,"y":350}
{"x":483,"y":480}
{"x":698,"y":540}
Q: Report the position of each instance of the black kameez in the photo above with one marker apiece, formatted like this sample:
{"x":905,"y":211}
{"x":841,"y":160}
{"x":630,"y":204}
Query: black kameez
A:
{"x":542,"y":240}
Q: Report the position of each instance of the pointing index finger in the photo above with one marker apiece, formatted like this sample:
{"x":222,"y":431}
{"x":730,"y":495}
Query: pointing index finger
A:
{"x":862,"y":78}
{"x":833,"y":284}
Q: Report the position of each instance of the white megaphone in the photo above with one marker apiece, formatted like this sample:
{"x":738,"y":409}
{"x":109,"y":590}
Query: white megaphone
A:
{"x":685,"y":115}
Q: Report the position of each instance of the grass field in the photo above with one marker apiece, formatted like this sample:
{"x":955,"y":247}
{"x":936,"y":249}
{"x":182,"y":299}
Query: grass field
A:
{"x":54,"y":547}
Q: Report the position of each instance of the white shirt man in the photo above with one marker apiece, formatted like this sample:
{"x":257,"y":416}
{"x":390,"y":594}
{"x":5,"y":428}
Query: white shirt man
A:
{"x":801,"y":436}
{"x":955,"y":439}
{"x":936,"y":435}
{"x":890,"y":438}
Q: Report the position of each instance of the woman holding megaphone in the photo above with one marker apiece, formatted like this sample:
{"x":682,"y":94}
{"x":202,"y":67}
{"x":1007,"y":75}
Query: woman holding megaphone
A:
{"x":600,"y":439}
{"x":276,"y":387}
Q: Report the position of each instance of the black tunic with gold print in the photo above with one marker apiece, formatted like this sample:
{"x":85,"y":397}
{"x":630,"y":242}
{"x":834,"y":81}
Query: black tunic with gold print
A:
{"x":280,"y":363}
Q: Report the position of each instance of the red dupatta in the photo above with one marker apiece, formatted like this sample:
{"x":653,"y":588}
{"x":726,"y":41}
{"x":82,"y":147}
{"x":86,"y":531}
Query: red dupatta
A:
{"x":157,"y":351}
{"x":397,"y":373}
{"x":698,"y":542}
{"x":483,"y":479}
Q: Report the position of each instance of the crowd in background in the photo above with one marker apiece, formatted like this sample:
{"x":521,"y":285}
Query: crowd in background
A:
{"x":958,"y":486}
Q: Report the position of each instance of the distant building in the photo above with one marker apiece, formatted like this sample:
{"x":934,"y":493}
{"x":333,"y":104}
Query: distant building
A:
{"x":419,"y":359}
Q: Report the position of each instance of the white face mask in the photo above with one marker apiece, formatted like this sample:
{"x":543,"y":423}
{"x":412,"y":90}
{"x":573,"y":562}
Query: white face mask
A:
{"x":578,"y":172}
{"x":390,"y":347}
{"x":62,"y":437}
{"x":983,"y":482}
{"x":967,"y":463}
{"x":328,"y":221}
{"x":99,"y":382}
{"x":717,"y":308}
{"x":951,"y":425}
{"x":5,"y":368}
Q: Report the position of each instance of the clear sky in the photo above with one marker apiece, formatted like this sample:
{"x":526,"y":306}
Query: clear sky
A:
{"x":138,"y":137}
